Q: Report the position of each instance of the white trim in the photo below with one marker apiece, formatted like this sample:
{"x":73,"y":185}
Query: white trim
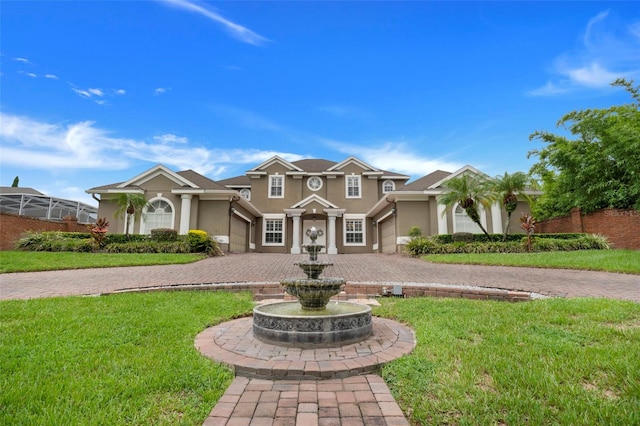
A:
{"x":319,"y":179}
{"x":282,"y":179}
{"x":273,"y":160}
{"x":240,"y":215}
{"x":361,"y":217}
{"x":352,"y":160}
{"x":316,"y":198}
{"x":277,"y":216}
{"x":459,"y":172}
{"x":244,"y":191}
{"x":393,"y":186}
{"x":153,"y":172}
{"x":346,"y":186}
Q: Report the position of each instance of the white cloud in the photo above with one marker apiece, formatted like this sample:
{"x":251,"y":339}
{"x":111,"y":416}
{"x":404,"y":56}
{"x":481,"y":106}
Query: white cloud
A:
{"x":161,"y":90}
{"x":609,"y":50}
{"x":121,"y":92}
{"x":32,"y":75}
{"x":169,"y":138}
{"x":96,"y":92}
{"x":33,"y":144}
{"x":235,"y":30}
{"x":51,"y":77}
{"x":83,"y":93}
{"x":396,"y":156}
{"x":23,"y":60}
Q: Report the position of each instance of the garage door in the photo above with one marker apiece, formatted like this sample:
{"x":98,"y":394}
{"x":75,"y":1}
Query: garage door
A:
{"x":238,"y":239}
{"x":388,"y":235}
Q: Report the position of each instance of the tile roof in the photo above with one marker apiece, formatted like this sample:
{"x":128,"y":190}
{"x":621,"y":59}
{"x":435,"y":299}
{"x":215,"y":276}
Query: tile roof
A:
{"x":18,"y":190}
{"x":236,"y":181}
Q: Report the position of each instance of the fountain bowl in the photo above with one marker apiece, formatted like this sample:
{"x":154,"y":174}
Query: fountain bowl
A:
{"x":288,"y":324}
{"x":313,"y":293}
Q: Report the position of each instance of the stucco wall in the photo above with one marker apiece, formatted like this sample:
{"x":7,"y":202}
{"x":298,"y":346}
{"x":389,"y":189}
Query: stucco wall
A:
{"x":621,"y":227}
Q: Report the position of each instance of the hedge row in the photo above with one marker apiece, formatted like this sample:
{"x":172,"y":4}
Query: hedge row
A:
{"x":482,"y":238}
{"x":162,"y":242}
{"x":423,"y":245}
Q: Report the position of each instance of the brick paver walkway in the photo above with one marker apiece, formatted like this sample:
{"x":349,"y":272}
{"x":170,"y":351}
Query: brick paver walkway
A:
{"x":359,"y":400}
{"x":368,"y":268}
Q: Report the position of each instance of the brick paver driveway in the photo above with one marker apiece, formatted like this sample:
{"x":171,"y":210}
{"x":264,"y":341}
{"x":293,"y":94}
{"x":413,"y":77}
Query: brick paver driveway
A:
{"x":364,"y":268}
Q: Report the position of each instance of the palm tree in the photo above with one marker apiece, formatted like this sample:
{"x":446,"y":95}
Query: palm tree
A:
{"x":468,"y":191}
{"x":507,"y":188}
{"x":130,"y":207}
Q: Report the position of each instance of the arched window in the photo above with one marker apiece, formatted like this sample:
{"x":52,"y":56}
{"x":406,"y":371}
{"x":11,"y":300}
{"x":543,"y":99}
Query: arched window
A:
{"x":463,"y":223}
{"x":388,"y":186}
{"x":159,"y":213}
{"x":246,"y":193}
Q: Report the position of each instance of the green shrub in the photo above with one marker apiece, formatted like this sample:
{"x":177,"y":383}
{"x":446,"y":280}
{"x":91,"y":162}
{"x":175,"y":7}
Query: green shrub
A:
{"x":123,"y":238}
{"x":164,"y":234}
{"x":55,"y":241}
{"x":148,"y":247}
{"x":415,"y":232}
{"x":423,"y":245}
{"x":464,"y":237}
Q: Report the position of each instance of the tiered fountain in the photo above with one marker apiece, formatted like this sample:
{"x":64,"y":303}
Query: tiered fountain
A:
{"x":313,"y":320}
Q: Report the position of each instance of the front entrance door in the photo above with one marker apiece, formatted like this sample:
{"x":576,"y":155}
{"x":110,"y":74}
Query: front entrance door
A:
{"x":320,"y":225}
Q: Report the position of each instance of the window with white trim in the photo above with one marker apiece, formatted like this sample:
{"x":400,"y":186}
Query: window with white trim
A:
{"x":388,"y":186}
{"x":273,"y":231}
{"x":276,"y":186}
{"x":159,"y":213}
{"x":353,"y":186}
{"x":463,"y":223}
{"x":354,"y":230}
{"x":245,"y":193}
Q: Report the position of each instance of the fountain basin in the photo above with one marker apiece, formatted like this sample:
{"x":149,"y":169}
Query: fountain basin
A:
{"x":288,"y":324}
{"x":313,"y":293}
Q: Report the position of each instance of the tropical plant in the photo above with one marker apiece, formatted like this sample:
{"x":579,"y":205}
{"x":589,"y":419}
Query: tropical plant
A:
{"x":130,"y":208}
{"x":468,"y":191}
{"x":528,"y":224}
{"x":98,"y":231}
{"x":507,"y":188}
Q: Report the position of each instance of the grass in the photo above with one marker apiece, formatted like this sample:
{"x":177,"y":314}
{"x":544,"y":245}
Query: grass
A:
{"x":625,"y":261}
{"x":130,"y":359}
{"x":553,"y":361}
{"x":31,"y":261}
{"x":120,"y":359}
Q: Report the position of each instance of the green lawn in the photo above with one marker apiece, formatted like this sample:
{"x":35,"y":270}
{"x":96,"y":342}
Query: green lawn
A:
{"x":30,"y":261}
{"x":130,"y":359}
{"x":547,"y":362}
{"x":112,"y":360}
{"x":626,"y":261}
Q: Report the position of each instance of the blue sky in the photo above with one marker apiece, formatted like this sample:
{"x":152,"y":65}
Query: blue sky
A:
{"x":94,"y":92}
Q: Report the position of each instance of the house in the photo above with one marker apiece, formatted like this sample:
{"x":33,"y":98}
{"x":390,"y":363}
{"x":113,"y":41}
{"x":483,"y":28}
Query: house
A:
{"x":358,"y":208}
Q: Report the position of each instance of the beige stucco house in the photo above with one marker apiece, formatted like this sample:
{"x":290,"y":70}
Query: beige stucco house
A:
{"x":359,"y":208}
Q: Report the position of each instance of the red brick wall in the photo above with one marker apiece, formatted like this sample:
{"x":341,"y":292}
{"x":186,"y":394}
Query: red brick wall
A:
{"x":621,"y":227}
{"x":13,"y":226}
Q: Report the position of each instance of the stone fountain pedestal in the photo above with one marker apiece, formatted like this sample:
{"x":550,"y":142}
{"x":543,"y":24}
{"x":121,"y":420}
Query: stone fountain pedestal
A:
{"x":313,"y":321}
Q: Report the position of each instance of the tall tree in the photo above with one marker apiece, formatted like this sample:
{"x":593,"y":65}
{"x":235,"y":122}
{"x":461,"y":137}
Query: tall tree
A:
{"x":468,"y":191}
{"x":598,"y":169}
{"x":507,"y":188}
{"x":16,"y":182}
{"x":130,"y":208}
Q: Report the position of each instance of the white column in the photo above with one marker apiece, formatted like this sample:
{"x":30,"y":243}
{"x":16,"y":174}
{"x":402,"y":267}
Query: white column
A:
{"x":332,"y":249}
{"x":185,"y":213}
{"x":496,"y":218}
{"x":442,"y":218}
{"x":295,"y":246}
